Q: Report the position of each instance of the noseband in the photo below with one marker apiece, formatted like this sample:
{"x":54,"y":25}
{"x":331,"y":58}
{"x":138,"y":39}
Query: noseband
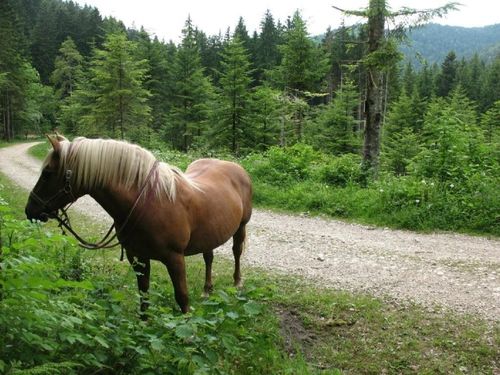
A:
{"x":63,"y":192}
{"x":61,"y":214}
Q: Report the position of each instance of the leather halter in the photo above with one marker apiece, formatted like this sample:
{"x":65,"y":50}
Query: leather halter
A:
{"x":65,"y":190}
{"x":62,"y":217}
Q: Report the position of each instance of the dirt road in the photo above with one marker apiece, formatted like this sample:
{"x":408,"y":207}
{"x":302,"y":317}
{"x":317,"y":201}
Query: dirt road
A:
{"x":450,"y":270}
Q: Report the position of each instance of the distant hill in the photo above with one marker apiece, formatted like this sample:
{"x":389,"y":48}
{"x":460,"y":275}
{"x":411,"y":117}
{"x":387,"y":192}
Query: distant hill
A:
{"x":433,"y":42}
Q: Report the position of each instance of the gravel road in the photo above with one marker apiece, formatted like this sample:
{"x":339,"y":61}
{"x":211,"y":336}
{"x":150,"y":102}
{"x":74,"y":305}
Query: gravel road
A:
{"x":454,"y":271}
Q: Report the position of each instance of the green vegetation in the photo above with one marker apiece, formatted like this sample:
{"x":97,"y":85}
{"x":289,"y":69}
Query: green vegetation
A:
{"x":437,"y":194}
{"x":71,"y":311}
{"x":291,"y":112}
{"x":40,"y":150}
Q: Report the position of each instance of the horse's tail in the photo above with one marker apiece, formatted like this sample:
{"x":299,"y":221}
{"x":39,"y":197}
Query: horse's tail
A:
{"x":245,"y":242}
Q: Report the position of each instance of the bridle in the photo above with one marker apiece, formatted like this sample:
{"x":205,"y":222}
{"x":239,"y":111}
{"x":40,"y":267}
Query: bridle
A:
{"x":61,"y":214}
{"x":64,"y":191}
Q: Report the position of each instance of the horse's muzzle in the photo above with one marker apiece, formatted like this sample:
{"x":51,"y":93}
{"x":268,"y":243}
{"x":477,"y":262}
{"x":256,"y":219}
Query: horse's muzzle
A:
{"x":41,"y":216}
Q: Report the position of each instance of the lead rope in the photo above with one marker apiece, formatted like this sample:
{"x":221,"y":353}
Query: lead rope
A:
{"x":105,"y":242}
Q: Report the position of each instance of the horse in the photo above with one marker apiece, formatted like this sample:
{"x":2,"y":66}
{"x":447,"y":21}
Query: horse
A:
{"x":159,"y":212}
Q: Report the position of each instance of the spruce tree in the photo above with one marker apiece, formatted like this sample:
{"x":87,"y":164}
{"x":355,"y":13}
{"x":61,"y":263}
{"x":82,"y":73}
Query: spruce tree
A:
{"x":267,"y":53}
{"x":118,"y":77}
{"x":192,"y":91}
{"x":382,"y":55}
{"x":490,"y":124}
{"x":301,"y":71}
{"x":264,"y":115}
{"x":490,"y":85}
{"x":425,"y":83}
{"x":233,"y":130}
{"x":446,"y":79}
{"x":303,"y":65}
{"x":13,"y":78}
{"x":336,"y":129}
{"x":399,"y":139}
{"x":241,"y":33}
{"x":68,"y":69}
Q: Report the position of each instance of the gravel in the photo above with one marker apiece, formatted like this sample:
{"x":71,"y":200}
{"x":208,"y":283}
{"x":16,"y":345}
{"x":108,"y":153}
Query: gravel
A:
{"x":454,"y":271}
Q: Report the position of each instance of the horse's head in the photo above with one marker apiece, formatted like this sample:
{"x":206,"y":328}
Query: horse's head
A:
{"x":52,"y":190}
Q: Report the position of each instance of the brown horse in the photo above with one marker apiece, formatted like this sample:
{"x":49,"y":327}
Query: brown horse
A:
{"x":160,"y":212}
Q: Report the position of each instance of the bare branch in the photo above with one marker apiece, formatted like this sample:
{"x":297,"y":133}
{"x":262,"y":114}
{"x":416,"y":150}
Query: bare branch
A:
{"x":416,"y":17}
{"x":358,"y":13}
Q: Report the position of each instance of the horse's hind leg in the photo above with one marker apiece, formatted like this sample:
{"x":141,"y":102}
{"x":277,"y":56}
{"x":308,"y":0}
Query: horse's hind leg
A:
{"x":208,"y":257}
{"x":238,"y":247}
{"x":142,"y":268}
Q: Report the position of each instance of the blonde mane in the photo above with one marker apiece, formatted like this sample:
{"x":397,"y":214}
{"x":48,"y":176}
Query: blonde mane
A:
{"x":101,"y":162}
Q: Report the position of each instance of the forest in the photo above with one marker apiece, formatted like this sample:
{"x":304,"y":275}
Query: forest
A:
{"x":290,"y":108}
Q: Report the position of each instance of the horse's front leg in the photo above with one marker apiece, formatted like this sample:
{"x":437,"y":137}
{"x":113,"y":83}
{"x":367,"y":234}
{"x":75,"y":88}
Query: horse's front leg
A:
{"x":176,"y":267}
{"x":142,"y":268}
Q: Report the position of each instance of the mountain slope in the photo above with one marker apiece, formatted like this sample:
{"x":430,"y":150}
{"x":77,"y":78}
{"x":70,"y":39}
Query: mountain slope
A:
{"x":432,"y":42}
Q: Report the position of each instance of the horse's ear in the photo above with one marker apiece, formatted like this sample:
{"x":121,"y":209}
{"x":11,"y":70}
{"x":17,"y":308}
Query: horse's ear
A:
{"x":55,"y":143}
{"x":60,"y":137}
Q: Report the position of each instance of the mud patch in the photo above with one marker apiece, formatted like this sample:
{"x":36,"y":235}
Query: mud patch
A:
{"x":296,"y":336}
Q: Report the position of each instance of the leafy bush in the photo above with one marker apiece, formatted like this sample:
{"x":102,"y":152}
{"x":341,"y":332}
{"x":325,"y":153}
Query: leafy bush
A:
{"x":341,"y":171}
{"x":55,"y":320}
{"x":282,"y":165}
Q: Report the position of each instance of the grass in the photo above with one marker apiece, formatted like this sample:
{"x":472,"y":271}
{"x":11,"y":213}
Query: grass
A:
{"x":40,"y":150}
{"x":307,"y":329}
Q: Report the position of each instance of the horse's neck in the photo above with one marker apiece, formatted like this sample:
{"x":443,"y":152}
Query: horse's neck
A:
{"x":115,"y":201}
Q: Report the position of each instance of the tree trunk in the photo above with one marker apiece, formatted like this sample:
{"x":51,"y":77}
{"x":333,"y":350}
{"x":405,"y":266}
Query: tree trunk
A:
{"x":374,"y":89}
{"x":9,"y":119}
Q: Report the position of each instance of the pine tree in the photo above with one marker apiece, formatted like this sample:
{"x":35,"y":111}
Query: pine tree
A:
{"x":241,"y":33}
{"x":267,"y":53}
{"x":233,"y":129}
{"x":68,"y":69}
{"x":471,"y":78}
{"x":303,"y":65}
{"x":409,"y":78}
{"x":490,"y":85}
{"x":264,"y":115}
{"x":121,"y":100}
{"x":452,"y":139}
{"x":210,"y":57}
{"x":159,"y":64}
{"x":335,"y":45}
{"x":336,"y":131}
{"x":192,"y":92}
{"x":13,"y":80}
{"x":425,"y":83}
{"x":301,"y":71}
{"x":382,"y":55}
{"x":399,"y":140}
{"x":490,"y":124}
{"x":446,"y":80}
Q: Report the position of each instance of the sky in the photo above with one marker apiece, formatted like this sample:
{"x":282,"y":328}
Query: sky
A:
{"x":165,"y":18}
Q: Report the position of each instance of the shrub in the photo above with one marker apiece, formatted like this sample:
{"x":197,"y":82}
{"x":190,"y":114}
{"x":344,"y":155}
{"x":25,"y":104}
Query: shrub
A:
{"x":51,"y":324}
{"x":341,"y":171}
{"x":282,"y":165}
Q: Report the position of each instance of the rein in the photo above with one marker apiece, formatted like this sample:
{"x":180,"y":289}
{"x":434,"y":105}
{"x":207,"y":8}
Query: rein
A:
{"x":61,"y":215}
